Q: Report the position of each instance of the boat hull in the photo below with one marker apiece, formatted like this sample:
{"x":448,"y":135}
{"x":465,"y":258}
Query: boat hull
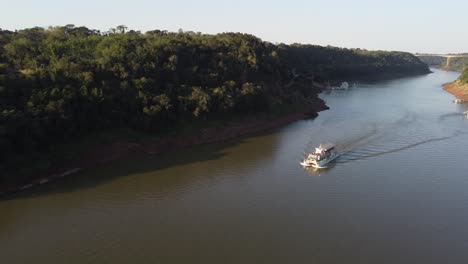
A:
{"x":319,"y":165}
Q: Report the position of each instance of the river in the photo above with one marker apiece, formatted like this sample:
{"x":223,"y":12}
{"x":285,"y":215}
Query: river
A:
{"x":398,"y":194}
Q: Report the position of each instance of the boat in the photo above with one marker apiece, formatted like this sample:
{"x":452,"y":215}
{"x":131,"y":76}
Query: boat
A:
{"x":458,"y":101}
{"x":323,"y":154}
{"x":465,"y":113}
{"x":344,"y":85}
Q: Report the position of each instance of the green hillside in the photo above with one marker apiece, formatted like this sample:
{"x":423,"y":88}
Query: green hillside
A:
{"x":62,"y":83}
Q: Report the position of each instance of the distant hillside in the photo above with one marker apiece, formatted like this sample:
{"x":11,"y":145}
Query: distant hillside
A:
{"x":338,"y":63}
{"x":456,"y":64}
{"x":62,"y":83}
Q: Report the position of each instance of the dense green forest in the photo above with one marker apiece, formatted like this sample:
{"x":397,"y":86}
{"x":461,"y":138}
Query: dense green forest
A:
{"x":61,"y":83}
{"x":331,"y":63}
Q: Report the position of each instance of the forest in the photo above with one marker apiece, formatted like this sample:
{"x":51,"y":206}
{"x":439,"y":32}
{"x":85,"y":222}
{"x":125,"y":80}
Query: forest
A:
{"x":61,"y":83}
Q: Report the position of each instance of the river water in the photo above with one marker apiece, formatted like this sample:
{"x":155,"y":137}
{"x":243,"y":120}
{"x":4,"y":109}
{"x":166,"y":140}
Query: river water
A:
{"x":398,"y":194}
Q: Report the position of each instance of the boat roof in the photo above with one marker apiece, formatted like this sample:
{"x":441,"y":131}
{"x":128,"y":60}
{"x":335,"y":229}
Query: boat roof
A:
{"x":327,"y":146}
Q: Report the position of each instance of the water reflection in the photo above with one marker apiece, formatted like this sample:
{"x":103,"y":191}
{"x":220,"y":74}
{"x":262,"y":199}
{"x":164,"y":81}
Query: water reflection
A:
{"x":168,"y":172}
{"x":320,"y":172}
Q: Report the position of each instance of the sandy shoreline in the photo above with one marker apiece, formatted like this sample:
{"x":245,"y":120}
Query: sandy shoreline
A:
{"x":457,"y":89}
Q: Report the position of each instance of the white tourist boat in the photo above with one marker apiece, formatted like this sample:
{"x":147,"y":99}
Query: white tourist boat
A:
{"x":344,"y":85}
{"x":323,"y":154}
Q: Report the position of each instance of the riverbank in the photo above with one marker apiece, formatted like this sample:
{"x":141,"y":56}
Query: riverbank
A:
{"x":123,"y":147}
{"x":77,"y":156}
{"x":458,"y":89}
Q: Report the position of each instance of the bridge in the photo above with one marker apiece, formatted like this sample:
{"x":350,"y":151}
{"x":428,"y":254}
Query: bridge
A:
{"x":448,"y":57}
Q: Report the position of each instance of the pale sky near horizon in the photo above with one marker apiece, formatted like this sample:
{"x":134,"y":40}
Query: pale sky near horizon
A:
{"x":414,"y":26}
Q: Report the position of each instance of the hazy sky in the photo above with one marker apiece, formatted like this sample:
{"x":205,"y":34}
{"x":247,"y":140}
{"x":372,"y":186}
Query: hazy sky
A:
{"x":414,"y":26}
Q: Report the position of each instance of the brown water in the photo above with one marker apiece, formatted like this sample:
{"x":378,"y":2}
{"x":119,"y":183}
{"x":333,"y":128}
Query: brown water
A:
{"x":399,"y":193}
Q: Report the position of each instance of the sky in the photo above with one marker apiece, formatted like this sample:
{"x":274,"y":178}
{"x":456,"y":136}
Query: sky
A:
{"x":405,"y":25}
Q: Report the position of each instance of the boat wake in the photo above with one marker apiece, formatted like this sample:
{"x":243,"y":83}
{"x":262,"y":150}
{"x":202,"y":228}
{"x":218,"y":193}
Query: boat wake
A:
{"x":451,"y":115}
{"x":380,"y":139}
{"x":364,"y":153}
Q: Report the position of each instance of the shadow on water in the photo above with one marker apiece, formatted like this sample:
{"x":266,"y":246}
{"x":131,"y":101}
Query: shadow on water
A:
{"x":168,"y":170}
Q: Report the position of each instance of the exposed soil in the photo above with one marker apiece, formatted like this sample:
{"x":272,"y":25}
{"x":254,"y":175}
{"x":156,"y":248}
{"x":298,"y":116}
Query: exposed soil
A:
{"x":457,"y":89}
